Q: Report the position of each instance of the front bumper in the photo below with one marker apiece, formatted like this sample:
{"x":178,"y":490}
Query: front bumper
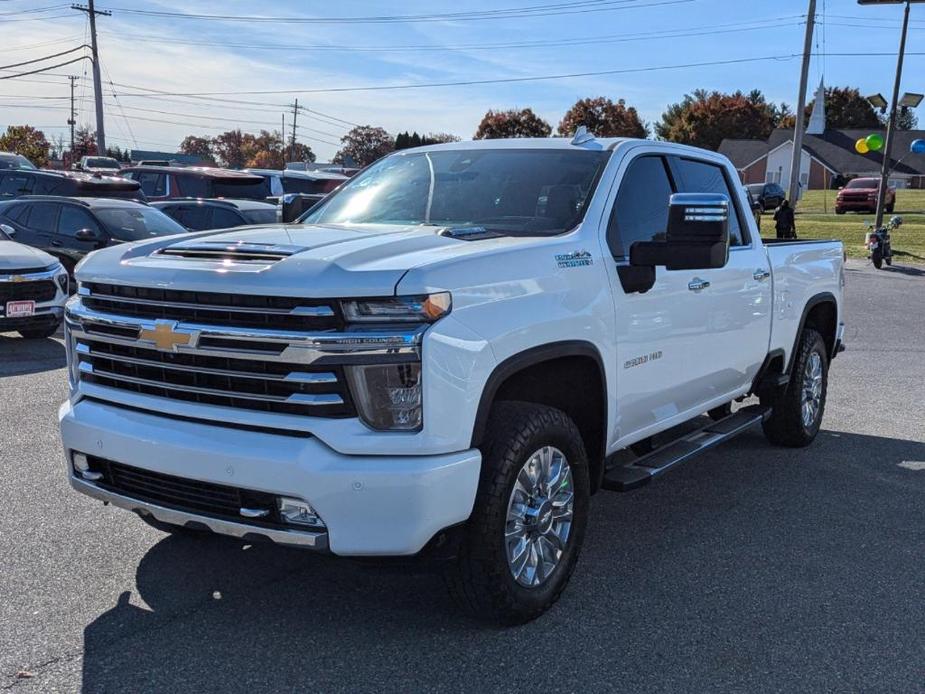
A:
{"x":45,"y":315}
{"x":371,"y":505}
{"x":854,"y":205}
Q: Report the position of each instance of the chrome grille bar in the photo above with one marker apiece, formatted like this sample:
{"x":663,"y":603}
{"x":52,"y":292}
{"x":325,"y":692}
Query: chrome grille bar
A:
{"x":311,"y":399}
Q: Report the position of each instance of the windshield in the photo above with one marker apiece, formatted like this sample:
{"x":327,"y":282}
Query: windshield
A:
{"x":137,"y":223}
{"x":863,"y":183}
{"x":101,"y":163}
{"x":266,"y":216}
{"x":15,"y":161}
{"x":515,"y":191}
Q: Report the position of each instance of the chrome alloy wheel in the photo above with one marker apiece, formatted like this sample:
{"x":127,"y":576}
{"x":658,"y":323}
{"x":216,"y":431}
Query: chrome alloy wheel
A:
{"x":539,"y":516}
{"x":812,"y":389}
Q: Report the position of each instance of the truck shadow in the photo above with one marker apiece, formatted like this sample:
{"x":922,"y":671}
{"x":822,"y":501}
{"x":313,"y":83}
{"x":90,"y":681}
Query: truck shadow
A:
{"x":748,"y":539}
{"x":20,"y":357}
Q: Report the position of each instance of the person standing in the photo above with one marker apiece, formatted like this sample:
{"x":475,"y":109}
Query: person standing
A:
{"x":784,"y":221}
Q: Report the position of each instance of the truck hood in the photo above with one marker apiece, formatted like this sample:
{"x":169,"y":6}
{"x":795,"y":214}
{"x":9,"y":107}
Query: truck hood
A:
{"x":17,"y":256}
{"x":295,"y":259}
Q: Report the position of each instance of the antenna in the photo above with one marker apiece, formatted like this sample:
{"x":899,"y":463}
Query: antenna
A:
{"x":581,"y":136}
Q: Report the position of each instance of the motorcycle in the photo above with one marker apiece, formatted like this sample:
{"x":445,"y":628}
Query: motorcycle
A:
{"x":878,"y":242}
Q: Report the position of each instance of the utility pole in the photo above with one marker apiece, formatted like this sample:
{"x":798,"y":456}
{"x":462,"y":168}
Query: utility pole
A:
{"x":891,"y":124}
{"x":796,"y":160}
{"x":72,"y":121}
{"x":295,"y":115}
{"x":97,"y":86}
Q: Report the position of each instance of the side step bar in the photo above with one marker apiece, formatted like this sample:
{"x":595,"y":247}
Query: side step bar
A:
{"x":642,"y":470}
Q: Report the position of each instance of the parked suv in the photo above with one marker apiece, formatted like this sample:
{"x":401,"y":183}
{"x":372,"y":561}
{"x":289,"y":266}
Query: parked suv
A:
{"x":860,"y":195}
{"x":33,"y":288}
{"x":168,"y":182}
{"x":100,"y":165}
{"x":769,"y":195}
{"x":199,"y":215}
{"x":18,"y":182}
{"x":69,"y":228}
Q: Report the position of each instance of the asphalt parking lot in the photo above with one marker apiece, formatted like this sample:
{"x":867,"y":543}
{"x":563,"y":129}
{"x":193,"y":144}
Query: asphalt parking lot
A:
{"x":751,"y":569}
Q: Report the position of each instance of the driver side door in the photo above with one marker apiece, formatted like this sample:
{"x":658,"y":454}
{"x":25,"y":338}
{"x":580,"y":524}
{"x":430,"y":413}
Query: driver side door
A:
{"x":657,"y":331}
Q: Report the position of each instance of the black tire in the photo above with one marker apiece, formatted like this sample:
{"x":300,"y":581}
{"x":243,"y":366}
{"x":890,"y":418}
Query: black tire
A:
{"x":876,"y":257}
{"x":838,"y":211}
{"x":890,"y":208}
{"x":721,"y":412}
{"x":785,"y":426}
{"x":480,"y":579}
{"x":39,"y":333}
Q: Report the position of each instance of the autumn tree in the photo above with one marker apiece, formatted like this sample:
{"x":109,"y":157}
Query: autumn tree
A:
{"x":84,"y":144}
{"x":233,"y":148}
{"x":198,"y":146}
{"x":27,"y":141}
{"x":704,"y":119}
{"x":603,"y":118}
{"x":363,"y":145}
{"x":513,"y":123}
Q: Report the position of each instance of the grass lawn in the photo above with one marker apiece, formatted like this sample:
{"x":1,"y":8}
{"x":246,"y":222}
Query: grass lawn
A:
{"x":814,"y":223}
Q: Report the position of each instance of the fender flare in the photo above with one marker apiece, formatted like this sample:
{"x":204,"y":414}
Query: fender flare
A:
{"x":815,"y":300}
{"x":525,"y":359}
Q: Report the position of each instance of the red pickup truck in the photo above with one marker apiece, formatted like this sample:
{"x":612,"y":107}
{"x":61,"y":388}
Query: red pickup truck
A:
{"x":860,"y":195}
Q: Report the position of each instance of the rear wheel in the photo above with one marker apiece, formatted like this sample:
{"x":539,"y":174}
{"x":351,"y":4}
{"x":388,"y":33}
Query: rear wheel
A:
{"x":796,"y":413}
{"x":523,"y":539}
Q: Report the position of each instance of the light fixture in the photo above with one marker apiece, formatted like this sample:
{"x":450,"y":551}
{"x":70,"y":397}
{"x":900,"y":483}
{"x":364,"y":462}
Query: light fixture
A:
{"x":911,"y":100}
{"x":877,"y":101}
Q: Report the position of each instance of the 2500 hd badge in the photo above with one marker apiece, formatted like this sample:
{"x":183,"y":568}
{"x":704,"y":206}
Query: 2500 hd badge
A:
{"x":639,"y":361}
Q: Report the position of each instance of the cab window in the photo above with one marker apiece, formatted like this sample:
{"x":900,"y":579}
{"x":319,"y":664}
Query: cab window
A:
{"x":696,"y":176}
{"x":640,"y":212}
{"x":43,"y":216}
{"x":14,"y":184}
{"x":73,"y":219}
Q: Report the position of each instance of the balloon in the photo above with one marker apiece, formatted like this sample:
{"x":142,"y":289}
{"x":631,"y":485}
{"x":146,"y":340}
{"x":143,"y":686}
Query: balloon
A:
{"x":874,"y":142}
{"x":861,"y":146}
{"x":917,"y":147}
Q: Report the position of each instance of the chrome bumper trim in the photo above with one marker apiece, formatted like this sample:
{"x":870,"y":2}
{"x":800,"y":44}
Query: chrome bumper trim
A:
{"x":294,"y":538}
{"x":33,"y":277}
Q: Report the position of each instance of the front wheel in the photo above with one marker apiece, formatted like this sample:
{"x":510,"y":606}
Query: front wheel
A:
{"x":527,"y":527}
{"x":796,"y":413}
{"x":876,"y":257}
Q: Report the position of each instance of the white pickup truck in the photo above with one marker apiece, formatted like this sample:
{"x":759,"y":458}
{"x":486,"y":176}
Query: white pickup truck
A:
{"x":449,"y":357}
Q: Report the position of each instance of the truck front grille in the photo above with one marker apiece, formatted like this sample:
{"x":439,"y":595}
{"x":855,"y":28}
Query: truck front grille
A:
{"x":212,"y":308}
{"x":44,"y":290}
{"x":269,"y":386}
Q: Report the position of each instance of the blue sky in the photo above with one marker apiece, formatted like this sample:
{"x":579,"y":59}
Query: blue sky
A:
{"x":187,"y":56}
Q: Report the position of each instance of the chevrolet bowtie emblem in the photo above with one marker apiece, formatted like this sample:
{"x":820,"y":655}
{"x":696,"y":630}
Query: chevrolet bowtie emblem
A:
{"x":17,"y":278}
{"x":165,"y":337}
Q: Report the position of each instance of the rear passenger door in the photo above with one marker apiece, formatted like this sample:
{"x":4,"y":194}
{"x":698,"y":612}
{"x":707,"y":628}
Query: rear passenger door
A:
{"x":71,"y":220}
{"x":734,"y":337}
{"x":40,"y":226}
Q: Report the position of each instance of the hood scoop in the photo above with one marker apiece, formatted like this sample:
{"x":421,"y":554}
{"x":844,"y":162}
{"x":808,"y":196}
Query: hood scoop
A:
{"x":223,"y":252}
{"x":468,"y":233}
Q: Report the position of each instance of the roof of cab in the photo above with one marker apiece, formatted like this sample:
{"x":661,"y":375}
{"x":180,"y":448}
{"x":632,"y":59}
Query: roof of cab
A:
{"x":207,"y":171}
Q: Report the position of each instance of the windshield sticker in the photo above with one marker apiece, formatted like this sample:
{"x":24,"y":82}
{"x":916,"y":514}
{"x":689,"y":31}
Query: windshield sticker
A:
{"x":574,"y":259}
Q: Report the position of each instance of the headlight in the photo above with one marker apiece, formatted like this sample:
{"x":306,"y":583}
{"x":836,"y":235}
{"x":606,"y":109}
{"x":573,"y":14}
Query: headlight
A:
{"x":398,"y":309}
{"x":388,"y":396}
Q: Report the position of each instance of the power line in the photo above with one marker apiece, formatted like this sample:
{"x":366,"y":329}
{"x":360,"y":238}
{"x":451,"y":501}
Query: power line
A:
{"x":707,"y":30}
{"x":498,"y":80}
{"x":40,"y":44}
{"x":44,"y":69}
{"x":39,"y":60}
{"x":557,"y":9}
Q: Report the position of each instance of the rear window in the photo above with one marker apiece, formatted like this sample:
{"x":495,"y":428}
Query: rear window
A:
{"x":15,"y":161}
{"x":863,"y":183}
{"x":101,"y":163}
{"x":305,"y":185}
{"x":228,"y":188}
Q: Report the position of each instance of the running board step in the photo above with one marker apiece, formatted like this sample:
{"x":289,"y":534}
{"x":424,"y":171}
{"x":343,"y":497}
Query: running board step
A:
{"x":642,"y":470}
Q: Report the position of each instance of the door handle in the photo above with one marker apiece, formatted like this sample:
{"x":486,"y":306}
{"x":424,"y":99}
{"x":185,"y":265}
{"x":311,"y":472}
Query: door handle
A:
{"x":697,"y":284}
{"x":55,"y":243}
{"x":761,"y":274}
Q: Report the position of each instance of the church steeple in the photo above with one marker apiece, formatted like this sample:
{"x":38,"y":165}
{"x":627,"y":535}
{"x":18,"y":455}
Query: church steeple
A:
{"x":817,"y":119}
